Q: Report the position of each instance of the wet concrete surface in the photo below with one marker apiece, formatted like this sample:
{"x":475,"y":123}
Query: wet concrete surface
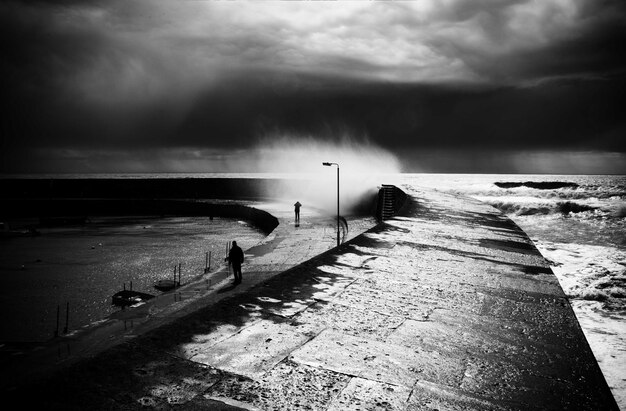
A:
{"x":448,"y":306}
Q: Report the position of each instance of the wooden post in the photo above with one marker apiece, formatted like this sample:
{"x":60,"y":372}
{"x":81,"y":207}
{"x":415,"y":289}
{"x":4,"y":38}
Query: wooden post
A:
{"x":67,"y":318}
{"x":56,"y":331}
{"x":228,"y":262}
{"x":131,"y":286}
{"x":179,"y":271}
{"x":209,"y":261}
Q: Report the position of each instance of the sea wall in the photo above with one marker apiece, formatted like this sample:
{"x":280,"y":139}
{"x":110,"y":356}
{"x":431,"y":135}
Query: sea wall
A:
{"x":49,"y":202}
{"x":398,"y":201}
{"x":55,"y":212}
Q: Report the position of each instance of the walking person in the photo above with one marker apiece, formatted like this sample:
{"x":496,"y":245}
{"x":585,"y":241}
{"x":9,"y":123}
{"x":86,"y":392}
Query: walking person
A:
{"x":235,"y":258}
{"x":296,"y":209}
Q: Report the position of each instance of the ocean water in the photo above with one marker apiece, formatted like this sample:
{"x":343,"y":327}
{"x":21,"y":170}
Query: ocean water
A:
{"x":581,"y":229}
{"x":84,"y":265}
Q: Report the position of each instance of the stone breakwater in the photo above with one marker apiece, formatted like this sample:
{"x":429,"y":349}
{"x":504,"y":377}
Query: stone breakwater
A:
{"x":446,"y":306}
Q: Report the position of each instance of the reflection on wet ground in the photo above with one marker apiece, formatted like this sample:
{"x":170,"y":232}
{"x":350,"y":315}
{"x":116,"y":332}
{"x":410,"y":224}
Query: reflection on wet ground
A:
{"x":85,"y":265}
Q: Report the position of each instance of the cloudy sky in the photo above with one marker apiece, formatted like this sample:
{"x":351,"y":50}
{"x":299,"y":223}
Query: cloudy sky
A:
{"x":205,"y":86}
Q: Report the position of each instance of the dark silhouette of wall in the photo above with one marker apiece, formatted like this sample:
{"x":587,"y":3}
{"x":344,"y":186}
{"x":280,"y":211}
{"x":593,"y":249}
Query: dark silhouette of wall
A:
{"x":73,"y":201}
{"x":146,"y":188}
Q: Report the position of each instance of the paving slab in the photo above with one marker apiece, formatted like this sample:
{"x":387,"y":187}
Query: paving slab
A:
{"x":254,"y":350}
{"x":428,"y":396}
{"x":288,"y":386}
{"x":348,"y":319}
{"x":376,"y":361}
{"x":362,"y":394}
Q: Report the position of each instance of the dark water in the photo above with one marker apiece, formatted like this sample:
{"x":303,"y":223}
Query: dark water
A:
{"x":85,"y":265}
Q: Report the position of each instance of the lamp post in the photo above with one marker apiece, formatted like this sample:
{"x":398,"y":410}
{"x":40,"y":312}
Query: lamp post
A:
{"x":328,"y":165}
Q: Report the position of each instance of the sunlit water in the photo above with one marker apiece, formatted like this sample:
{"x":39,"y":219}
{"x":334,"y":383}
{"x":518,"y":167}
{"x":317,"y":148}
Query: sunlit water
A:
{"x":85,"y":265}
{"x":586,"y":247}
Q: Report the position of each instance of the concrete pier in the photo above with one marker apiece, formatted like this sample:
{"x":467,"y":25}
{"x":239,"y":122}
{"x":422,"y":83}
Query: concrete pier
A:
{"x":446,"y":306}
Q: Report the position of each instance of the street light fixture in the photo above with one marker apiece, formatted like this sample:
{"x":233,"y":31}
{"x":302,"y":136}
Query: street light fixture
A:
{"x":328,"y":165}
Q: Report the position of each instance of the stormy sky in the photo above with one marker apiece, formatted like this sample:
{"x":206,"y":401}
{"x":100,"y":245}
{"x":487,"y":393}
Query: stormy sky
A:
{"x":209,"y":86}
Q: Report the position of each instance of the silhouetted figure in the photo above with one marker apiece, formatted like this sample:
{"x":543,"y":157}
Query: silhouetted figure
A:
{"x":296,"y":209}
{"x":235,"y":258}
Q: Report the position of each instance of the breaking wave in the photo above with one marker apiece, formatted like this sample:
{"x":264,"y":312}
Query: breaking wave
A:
{"x":610,"y":289}
{"x":589,"y":273}
{"x":521,"y":209}
{"x":563,"y":190}
{"x":540,"y":185}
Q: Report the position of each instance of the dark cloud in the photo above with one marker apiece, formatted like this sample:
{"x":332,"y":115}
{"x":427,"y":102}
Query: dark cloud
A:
{"x":82,"y":78}
{"x":578,"y":114}
{"x":513,"y":42}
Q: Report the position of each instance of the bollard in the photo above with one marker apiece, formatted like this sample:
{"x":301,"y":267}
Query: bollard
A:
{"x":56,"y":332}
{"x":131,"y":286}
{"x":207,"y":262}
{"x":179,"y":272}
{"x":67,"y":318}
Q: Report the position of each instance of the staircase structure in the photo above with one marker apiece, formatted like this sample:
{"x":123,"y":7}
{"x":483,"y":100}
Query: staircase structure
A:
{"x":387,"y":201}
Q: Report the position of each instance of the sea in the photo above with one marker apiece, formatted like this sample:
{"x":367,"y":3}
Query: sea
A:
{"x":578,"y":223}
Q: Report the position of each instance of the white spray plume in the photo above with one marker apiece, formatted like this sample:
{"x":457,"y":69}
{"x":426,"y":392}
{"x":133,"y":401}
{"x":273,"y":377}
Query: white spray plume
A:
{"x":362,"y":165}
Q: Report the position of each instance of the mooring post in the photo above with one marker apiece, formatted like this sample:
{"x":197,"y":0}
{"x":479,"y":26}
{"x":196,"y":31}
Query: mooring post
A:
{"x":206,"y":261}
{"x":67,"y":318}
{"x":131,"y":286}
{"x":209,"y":261}
{"x":124,"y":286}
{"x":227,"y":261}
{"x":56,"y":331}
{"x":179,"y":271}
